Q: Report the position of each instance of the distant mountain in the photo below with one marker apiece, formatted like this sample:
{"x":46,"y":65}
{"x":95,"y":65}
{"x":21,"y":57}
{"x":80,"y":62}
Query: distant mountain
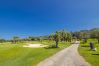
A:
{"x":91,"y":30}
{"x":95,"y":29}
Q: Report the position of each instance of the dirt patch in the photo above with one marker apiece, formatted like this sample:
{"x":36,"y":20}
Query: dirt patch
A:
{"x":35,"y":45}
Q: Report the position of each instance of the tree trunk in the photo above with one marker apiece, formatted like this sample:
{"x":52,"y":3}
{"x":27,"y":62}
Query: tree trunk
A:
{"x":98,"y":40}
{"x":56,"y":44}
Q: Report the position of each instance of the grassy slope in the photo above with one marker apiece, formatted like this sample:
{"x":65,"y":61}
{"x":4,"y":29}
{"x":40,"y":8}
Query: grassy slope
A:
{"x":15,"y":55}
{"x":91,"y":56}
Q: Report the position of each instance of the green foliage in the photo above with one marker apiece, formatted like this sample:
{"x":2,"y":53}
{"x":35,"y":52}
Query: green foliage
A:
{"x":86,"y":34}
{"x":60,"y":36}
{"x":2,"y":40}
{"x":15,"y":39}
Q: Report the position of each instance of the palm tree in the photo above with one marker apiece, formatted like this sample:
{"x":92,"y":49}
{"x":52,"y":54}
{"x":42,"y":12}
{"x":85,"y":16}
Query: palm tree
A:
{"x":56,"y":38}
{"x":60,"y":36}
{"x":15,"y":39}
{"x":2,"y":40}
{"x":51,"y":37}
{"x":63,"y":35}
{"x":69,"y":36}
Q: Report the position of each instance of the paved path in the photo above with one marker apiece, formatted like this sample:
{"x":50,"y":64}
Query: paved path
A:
{"x":66,"y":57}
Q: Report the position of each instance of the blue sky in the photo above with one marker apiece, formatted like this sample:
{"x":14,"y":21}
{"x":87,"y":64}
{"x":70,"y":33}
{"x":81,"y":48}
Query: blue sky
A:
{"x":41,"y":17}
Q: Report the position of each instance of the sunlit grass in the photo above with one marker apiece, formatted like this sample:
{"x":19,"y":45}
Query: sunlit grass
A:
{"x":16,"y":55}
{"x":91,"y":56}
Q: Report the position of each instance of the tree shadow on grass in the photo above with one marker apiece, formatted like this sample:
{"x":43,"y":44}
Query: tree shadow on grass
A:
{"x":95,"y":54}
{"x":51,"y":47}
{"x":85,"y":46}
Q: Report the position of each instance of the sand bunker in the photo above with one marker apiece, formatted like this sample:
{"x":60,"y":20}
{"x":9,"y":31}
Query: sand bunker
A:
{"x":35,"y":45}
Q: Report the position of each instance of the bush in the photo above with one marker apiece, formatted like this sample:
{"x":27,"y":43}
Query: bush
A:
{"x":51,"y":46}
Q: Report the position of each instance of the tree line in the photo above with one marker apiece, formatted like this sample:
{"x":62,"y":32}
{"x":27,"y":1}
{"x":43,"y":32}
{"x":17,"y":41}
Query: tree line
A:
{"x":87,"y":34}
{"x":60,"y":36}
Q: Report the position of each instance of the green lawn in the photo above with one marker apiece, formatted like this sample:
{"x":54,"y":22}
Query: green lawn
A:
{"x":16,"y":55}
{"x":91,"y":56}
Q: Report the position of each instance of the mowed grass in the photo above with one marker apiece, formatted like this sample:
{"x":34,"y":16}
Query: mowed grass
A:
{"x":90,"y":56}
{"x":16,"y":55}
